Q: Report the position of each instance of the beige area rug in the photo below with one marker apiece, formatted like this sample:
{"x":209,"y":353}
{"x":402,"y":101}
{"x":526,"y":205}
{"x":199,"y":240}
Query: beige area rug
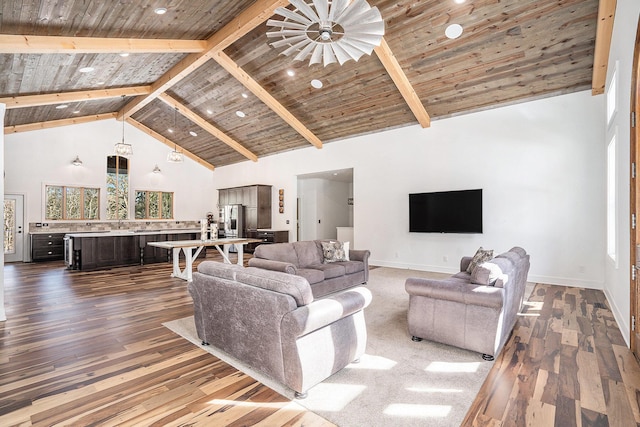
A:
{"x":398,"y":382}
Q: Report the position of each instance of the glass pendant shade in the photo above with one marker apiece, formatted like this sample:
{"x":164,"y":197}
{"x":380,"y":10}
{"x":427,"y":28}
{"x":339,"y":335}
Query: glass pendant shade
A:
{"x":121,"y":148}
{"x":175,"y":156}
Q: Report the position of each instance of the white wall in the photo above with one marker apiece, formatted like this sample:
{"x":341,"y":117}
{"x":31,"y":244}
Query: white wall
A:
{"x":540,"y":164}
{"x":617,"y":275}
{"x":44,"y":157}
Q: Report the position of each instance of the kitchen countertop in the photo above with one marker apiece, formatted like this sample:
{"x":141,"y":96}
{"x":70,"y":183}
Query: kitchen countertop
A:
{"x":114,"y":233}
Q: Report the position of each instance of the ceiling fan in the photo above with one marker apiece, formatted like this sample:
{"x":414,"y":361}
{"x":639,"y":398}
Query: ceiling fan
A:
{"x":327,"y":30}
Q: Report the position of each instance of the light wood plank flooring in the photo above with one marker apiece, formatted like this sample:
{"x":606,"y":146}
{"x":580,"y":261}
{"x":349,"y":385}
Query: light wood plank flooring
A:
{"x":88,"y":349}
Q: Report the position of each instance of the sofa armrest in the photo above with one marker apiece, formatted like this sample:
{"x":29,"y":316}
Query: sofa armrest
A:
{"x":359,"y":255}
{"x":464,"y":262}
{"x":269,"y":264}
{"x":456,"y":291}
{"x":325,"y":311}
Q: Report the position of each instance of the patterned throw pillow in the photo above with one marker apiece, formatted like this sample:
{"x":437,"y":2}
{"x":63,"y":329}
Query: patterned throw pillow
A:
{"x":482,"y":255}
{"x":333,"y":252}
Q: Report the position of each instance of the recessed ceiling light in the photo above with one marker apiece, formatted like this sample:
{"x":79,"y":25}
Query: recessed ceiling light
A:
{"x":76,"y":112}
{"x":244,"y":95}
{"x":160,"y":10}
{"x":209,"y":112}
{"x":240,"y":114}
{"x":316,"y":83}
{"x":459,"y":1}
{"x":170,"y":130}
{"x":99,"y":83}
{"x":192,"y":133}
{"x":124,"y":54}
{"x":291,"y":73}
{"x":61,"y":106}
{"x":86,"y":69}
{"x":453,"y":31}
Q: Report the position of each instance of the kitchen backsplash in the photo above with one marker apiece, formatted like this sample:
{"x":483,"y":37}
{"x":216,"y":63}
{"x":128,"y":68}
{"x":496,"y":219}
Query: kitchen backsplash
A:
{"x":63,"y":227}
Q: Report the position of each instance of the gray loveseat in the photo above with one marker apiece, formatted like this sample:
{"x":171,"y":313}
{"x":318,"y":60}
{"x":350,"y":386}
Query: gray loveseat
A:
{"x":272,"y":322}
{"x":476,"y":310}
{"x":306,"y":259}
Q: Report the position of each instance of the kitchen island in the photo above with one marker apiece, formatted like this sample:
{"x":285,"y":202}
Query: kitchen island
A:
{"x":104,"y":249}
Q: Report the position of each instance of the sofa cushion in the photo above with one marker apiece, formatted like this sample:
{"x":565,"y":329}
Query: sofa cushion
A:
{"x":330,"y":270}
{"x":333,"y":252}
{"x":296,"y":286}
{"x":486,"y":273}
{"x":307,"y":252}
{"x":462,"y":275}
{"x":219,"y":269}
{"x":312,"y":275}
{"x":277,"y":251}
{"x":351,"y":267}
{"x":480,"y":256}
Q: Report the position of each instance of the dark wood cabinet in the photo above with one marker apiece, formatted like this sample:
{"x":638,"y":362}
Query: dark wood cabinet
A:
{"x":47,"y":247}
{"x":256,"y":200}
{"x":91,"y":253}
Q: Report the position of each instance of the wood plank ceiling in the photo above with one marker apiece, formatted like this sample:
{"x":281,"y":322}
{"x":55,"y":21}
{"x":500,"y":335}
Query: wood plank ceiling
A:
{"x":197,"y":65}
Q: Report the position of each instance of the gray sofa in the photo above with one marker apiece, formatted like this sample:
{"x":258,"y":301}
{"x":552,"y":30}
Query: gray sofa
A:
{"x":272,"y":322}
{"x":306,"y":259}
{"x":476,"y":310}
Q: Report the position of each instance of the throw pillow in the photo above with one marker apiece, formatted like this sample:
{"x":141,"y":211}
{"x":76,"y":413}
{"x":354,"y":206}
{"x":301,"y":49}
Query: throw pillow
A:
{"x":333,"y":252}
{"x":486,"y":274}
{"x":481,"y":255}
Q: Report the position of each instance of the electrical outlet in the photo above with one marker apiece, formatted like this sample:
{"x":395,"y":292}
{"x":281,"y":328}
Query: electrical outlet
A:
{"x":287,"y":221}
{"x":38,"y":224}
{"x":445,"y":258}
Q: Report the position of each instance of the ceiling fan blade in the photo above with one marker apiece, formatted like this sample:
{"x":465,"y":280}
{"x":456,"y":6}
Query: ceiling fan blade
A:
{"x":327,"y":54}
{"x":369,"y":16}
{"x":296,"y":47}
{"x":316,"y":56}
{"x":304,"y":52}
{"x":342,"y":55}
{"x":305,"y":9}
{"x":286,"y":24}
{"x":356,"y":8}
{"x":337,"y":7}
{"x":322,"y":8}
{"x":288,"y":41}
{"x":363,"y":46}
{"x":293,"y":16}
{"x":370,"y":39}
{"x":353,"y":52}
{"x":373,"y":28}
{"x":286,"y":33}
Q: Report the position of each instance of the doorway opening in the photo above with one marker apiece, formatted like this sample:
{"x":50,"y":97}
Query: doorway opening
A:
{"x":325,"y":205}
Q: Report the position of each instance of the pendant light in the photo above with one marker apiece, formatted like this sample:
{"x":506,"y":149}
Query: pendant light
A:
{"x":122,"y":149}
{"x":175,"y":156}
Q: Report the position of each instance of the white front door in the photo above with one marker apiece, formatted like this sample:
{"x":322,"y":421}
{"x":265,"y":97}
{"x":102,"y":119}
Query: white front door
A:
{"x":13,"y":227}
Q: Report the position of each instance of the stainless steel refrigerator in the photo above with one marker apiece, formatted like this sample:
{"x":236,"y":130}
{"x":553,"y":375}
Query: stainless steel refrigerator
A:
{"x":233,"y":222}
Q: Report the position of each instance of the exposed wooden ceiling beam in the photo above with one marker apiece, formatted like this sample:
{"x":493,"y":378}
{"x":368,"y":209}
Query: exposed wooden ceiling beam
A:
{"x":58,"y":123}
{"x":250,"y":18}
{"x":244,"y":78}
{"x":57,"y":44}
{"x":169,"y":143}
{"x":61,"y":98}
{"x":182,"y":109}
{"x":401,"y":81}
{"x":606,"y":15}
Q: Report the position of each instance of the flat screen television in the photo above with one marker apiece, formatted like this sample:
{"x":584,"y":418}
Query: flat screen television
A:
{"x":446,"y":212}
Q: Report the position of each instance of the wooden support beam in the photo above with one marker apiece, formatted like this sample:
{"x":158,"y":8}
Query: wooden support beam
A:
{"x":173,"y":103}
{"x":244,"y":78}
{"x":10,"y":43}
{"x":61,"y":98}
{"x":57,"y":123}
{"x":169,"y":143}
{"x":401,"y":81}
{"x":250,"y":18}
{"x":604,"y":31}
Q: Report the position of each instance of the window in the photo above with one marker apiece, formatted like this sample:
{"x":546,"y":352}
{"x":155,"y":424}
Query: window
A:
{"x":63,"y":202}
{"x":117,"y":187}
{"x":611,"y":199}
{"x":154,"y":205}
{"x":612,"y":95}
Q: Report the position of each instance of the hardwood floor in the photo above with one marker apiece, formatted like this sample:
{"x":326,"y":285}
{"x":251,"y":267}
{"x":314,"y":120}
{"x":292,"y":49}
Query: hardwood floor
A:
{"x":89,"y":348}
